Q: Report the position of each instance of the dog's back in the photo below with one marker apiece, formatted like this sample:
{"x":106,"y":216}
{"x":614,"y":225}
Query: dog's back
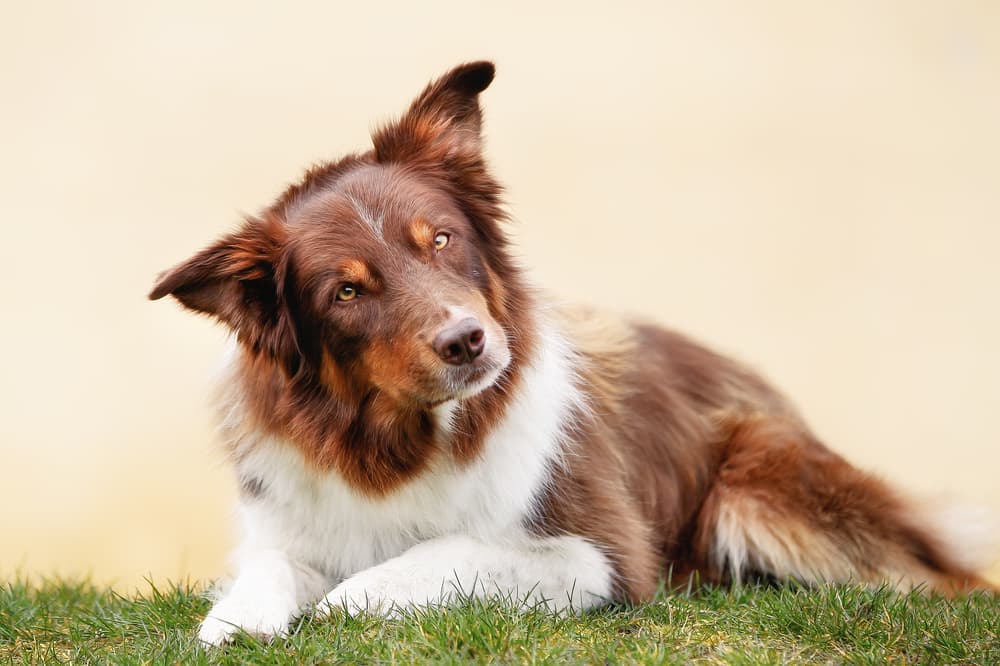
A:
{"x":725,"y":481}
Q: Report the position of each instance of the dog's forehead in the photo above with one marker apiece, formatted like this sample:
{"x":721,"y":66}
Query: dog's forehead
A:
{"x":367,"y":215}
{"x":373,"y":200}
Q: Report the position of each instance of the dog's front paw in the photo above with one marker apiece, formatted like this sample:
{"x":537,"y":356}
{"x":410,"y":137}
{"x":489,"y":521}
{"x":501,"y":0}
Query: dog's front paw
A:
{"x":255,"y":617}
{"x":382,"y":591}
{"x":362,"y":594}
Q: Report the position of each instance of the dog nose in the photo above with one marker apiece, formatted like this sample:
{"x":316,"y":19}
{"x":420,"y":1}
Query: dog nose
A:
{"x":460,"y":343}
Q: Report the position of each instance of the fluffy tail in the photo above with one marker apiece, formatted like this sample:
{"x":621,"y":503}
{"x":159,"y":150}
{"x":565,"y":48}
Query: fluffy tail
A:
{"x":785,"y":506}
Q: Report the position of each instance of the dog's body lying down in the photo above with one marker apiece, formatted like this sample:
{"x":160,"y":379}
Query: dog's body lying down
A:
{"x":409,"y":422}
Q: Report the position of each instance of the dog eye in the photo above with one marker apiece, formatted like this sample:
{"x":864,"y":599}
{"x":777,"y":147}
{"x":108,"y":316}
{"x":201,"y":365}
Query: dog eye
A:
{"x":441,"y":241}
{"x":347,"y":292}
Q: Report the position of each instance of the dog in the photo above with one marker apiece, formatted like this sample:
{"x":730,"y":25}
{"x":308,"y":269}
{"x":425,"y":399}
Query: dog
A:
{"x":412,"y":424}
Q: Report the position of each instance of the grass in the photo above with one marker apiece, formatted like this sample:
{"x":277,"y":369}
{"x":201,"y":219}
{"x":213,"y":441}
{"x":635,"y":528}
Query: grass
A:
{"x":59,"y":622}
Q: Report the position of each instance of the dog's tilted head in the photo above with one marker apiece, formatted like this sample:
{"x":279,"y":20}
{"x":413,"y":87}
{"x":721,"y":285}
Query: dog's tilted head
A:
{"x":383,"y":277}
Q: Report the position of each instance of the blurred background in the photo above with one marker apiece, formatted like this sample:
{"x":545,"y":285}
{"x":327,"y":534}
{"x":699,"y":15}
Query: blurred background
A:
{"x":811,"y":187}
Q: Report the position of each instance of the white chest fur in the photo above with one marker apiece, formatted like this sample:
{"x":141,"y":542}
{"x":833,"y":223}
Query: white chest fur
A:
{"x":321,"y":522}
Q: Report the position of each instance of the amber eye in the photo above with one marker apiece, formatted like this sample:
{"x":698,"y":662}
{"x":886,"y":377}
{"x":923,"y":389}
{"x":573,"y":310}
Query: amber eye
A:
{"x":347,"y":292}
{"x":441,"y":241}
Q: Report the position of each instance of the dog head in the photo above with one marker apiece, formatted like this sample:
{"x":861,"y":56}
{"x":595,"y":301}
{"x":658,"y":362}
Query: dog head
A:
{"x":385,"y":271}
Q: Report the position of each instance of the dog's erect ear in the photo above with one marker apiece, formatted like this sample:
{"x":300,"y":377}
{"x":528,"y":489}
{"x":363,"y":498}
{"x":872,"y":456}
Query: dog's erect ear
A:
{"x":443,"y":123}
{"x":241,"y":280}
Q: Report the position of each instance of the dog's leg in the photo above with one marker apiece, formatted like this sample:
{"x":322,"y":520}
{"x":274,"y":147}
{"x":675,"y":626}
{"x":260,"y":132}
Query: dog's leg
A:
{"x":562,"y":572}
{"x":785,"y":506}
{"x":268,"y":591}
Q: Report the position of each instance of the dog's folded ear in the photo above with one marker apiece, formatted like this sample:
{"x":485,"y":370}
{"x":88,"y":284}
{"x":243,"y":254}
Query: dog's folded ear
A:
{"x":443,"y":123}
{"x":241,"y":280}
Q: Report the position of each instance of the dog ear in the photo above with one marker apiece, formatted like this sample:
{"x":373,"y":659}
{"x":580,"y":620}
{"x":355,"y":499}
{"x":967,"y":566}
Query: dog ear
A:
{"x":242,"y":281}
{"x":443,"y":123}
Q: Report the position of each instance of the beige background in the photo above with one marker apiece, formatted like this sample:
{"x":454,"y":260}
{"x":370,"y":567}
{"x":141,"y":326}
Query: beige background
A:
{"x":813,"y":187}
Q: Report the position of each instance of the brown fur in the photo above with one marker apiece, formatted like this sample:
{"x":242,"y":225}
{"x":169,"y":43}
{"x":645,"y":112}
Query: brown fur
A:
{"x":684,"y":442}
{"x":683,"y":460}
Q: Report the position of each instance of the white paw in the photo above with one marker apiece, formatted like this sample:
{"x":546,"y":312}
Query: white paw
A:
{"x":256,"y":617}
{"x":385,"y":592}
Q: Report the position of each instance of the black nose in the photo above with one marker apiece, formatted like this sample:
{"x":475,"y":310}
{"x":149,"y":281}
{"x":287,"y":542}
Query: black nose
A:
{"x":460,"y":343}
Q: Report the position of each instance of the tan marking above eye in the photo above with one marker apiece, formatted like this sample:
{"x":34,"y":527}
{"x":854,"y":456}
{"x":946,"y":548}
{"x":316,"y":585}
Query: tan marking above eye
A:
{"x":422,"y":232}
{"x":355,"y":272}
{"x":347,"y":292}
{"x":441,"y":241}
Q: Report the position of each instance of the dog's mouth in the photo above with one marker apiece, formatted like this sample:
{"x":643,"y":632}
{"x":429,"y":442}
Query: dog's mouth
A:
{"x":464,"y":382}
{"x":472,"y":380}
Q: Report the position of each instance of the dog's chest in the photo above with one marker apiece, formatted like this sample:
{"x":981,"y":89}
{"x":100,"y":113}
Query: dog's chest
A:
{"x":319,"y":520}
{"x":323,"y":522}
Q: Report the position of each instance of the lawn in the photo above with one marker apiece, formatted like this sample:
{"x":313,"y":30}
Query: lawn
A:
{"x":78,"y":623}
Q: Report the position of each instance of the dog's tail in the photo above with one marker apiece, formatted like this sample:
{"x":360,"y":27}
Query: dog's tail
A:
{"x":784,"y":506}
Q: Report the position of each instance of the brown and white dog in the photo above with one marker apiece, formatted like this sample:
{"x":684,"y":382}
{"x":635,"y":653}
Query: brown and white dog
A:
{"x":408,"y":421}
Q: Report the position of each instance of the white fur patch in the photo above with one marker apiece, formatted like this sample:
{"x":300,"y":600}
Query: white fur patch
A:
{"x":444,"y":417}
{"x":560,"y":572}
{"x":263,"y":599}
{"x":467,"y":521}
{"x":373,"y":219}
{"x":748,"y":537}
